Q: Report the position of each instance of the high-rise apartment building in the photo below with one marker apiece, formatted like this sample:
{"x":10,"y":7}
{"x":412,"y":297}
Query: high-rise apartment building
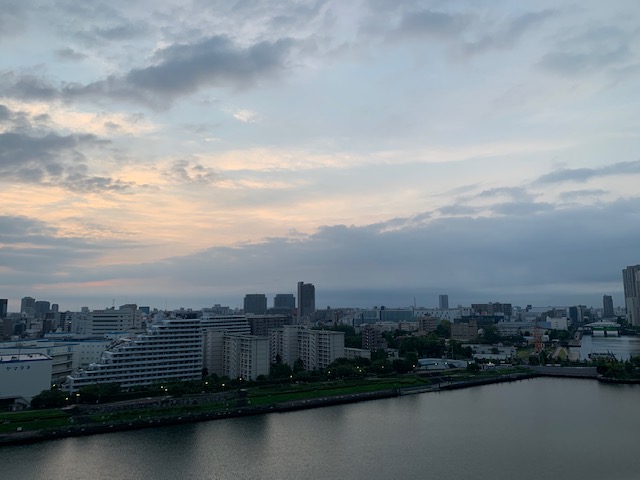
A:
{"x":315,"y":348}
{"x":631,"y":283}
{"x":255,"y":303}
{"x":171,"y":349}
{"x":3,"y":307}
{"x":607,"y":305}
{"x":443,"y":302}
{"x":306,"y":299}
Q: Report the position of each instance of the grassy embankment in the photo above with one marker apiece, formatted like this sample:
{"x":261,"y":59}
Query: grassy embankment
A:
{"x":42,"y":420}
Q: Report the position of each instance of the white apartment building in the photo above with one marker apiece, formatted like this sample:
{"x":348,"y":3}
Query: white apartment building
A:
{"x":214,"y":327}
{"x":316,"y":348}
{"x":245,"y":356}
{"x":171,"y":349}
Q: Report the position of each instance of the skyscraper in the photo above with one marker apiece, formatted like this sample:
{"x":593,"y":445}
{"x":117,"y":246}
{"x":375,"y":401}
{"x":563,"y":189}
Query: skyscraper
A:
{"x":3,"y":307}
{"x":28,"y":305}
{"x":284,"y":300}
{"x":607,"y":304}
{"x":306,"y":299}
{"x":631,"y":283}
{"x":443,"y":302}
{"x":255,"y":303}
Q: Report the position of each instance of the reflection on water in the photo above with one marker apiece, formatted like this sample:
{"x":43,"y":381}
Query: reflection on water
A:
{"x":533,"y":429}
{"x":622,"y":347}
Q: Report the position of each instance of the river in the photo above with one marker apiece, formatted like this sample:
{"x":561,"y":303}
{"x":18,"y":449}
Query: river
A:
{"x":622,"y":347}
{"x":541,"y":428}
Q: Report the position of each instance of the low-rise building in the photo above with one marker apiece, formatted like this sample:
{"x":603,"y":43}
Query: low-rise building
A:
{"x":23,"y":376}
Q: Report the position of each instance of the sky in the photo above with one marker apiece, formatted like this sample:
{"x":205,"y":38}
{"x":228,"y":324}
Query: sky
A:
{"x":185,"y":153}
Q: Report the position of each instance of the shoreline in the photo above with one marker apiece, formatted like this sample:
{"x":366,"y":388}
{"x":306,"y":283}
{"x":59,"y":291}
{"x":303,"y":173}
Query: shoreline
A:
{"x":36,"y":436}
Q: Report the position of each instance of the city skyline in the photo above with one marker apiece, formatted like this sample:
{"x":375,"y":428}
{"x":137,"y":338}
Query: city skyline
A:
{"x":185,"y":154}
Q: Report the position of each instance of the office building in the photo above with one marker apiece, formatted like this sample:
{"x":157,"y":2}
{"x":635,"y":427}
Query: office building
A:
{"x":285,"y":301}
{"x":631,"y":284}
{"x":255,"y":303}
{"x":306,"y":299}
{"x":171,"y":349}
{"x":607,"y":306}
{"x":3,"y":307}
{"x":101,"y":322}
{"x":443,"y":302}
{"x":28,"y":306}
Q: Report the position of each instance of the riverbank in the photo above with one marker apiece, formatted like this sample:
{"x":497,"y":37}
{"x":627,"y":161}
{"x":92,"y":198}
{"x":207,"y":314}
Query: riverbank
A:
{"x":152,"y":417}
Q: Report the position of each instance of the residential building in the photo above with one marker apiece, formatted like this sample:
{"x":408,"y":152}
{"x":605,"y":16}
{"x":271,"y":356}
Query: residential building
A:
{"x":246,"y":356}
{"x":101,"y":322}
{"x":316,"y":349}
{"x":428,"y":324}
{"x":463,"y":332}
{"x":372,"y":338}
{"x":261,"y":324}
{"x":214,"y":327}
{"x":306,"y":299}
{"x":171,"y":349}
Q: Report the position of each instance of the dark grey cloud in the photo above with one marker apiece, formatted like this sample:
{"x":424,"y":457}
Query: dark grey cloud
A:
{"x":579,"y":194}
{"x":70,"y":55}
{"x":37,"y":155}
{"x":584,"y":174}
{"x":174,"y":71}
{"x":33,"y":250}
{"x":499,"y":258}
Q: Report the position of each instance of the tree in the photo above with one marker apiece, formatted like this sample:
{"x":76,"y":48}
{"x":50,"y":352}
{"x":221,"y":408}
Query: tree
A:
{"x":444,"y":329}
{"x":49,"y":399}
{"x":491,"y":334}
{"x":473,"y":368}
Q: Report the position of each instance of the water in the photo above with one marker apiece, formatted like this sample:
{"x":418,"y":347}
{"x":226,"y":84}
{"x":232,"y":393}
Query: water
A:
{"x":621,"y":347}
{"x":533,"y":429}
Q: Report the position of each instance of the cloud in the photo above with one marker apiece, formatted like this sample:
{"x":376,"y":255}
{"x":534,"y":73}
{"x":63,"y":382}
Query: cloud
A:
{"x":584,"y":174}
{"x":175,"y":71}
{"x":508,"y":33}
{"x":245,"y":116}
{"x":595,"y":50}
{"x":186,"y":172}
{"x":32,"y":155}
{"x":470,"y":33}
{"x":70,"y":55}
